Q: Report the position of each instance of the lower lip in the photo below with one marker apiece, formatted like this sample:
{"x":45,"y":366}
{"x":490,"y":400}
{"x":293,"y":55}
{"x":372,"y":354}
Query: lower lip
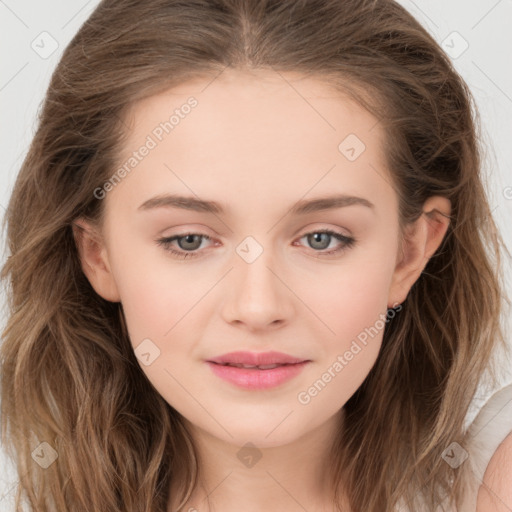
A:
{"x":257,"y":379}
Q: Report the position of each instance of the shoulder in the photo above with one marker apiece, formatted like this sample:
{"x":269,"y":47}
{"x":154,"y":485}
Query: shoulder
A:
{"x":495,"y":493}
{"x":488,"y":456}
{"x":490,"y":450}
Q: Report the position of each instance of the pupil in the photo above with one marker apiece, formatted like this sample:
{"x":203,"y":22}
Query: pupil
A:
{"x":188,"y":239}
{"x":317,"y":239}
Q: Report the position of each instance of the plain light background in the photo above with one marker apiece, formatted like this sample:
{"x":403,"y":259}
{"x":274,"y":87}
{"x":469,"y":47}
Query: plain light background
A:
{"x":476,"y":35}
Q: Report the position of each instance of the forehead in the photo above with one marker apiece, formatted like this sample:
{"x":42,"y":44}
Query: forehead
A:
{"x":260,"y":101}
{"x":254,"y":132}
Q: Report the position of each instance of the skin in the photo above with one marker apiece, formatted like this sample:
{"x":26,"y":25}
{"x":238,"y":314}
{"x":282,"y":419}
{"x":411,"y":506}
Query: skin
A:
{"x":257,"y":143}
{"x":495,"y":494}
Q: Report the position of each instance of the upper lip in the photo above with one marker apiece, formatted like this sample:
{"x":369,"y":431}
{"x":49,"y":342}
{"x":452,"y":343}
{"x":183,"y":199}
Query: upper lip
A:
{"x":256,"y":358}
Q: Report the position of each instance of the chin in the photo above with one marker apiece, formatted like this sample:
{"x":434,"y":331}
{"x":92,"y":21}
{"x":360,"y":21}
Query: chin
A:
{"x":261,"y":432}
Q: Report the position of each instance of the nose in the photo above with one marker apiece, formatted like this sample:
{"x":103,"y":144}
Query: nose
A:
{"x":257,"y":296}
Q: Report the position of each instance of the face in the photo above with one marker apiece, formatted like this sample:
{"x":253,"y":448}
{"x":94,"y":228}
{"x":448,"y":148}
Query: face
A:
{"x":263,"y":266}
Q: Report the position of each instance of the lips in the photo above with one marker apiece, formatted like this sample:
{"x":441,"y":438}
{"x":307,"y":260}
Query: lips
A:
{"x":261,"y":360}
{"x":252,"y":366}
{"x":257,"y":371}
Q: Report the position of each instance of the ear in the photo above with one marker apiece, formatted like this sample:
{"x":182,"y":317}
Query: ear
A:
{"x":94,"y":260}
{"x":421,"y":240}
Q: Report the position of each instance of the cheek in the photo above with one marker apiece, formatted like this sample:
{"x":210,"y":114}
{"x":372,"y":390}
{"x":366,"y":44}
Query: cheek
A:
{"x":158,"y":308}
{"x":355,"y":311}
{"x":354,"y":297}
{"x":352,"y":305}
{"x":154,"y":292}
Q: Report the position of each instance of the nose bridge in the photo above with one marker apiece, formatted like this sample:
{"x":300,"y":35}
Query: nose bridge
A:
{"x":256,"y":296}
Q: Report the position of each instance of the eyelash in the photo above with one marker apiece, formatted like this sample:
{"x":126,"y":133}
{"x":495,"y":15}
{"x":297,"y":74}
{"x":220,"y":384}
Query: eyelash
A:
{"x":348,"y":242}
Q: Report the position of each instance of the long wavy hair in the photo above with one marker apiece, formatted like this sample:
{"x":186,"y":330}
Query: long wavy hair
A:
{"x":69,"y":374}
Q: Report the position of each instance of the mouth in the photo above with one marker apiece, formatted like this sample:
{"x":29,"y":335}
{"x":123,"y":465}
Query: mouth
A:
{"x":255,"y":367}
{"x":261,"y":360}
{"x":257,"y":376}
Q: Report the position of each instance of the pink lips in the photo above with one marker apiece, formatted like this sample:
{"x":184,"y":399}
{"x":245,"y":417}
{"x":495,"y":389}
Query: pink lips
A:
{"x":270,"y":369}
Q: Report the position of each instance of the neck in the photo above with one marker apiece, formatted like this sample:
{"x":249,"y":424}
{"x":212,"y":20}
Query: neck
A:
{"x":290,"y":477}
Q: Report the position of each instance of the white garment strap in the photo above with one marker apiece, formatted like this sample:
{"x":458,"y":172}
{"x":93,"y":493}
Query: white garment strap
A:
{"x":487,"y":431}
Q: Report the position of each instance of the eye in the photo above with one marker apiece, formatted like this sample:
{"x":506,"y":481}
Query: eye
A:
{"x":190,"y":243}
{"x":322,"y":239}
{"x":186,"y":242}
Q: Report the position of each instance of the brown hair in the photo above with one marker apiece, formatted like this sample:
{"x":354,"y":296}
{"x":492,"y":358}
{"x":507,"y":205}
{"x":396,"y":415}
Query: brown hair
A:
{"x":69,"y":374}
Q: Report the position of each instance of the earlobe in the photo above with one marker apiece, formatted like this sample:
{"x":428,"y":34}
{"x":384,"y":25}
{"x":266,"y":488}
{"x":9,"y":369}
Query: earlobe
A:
{"x":94,"y":260}
{"x":420,"y":241}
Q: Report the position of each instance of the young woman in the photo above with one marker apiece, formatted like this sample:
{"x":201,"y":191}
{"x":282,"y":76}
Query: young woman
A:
{"x":252,"y":267}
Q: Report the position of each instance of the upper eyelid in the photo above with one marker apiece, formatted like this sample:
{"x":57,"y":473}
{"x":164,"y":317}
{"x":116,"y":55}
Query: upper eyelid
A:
{"x":330,"y":231}
{"x":346,"y":241}
{"x":348,"y":234}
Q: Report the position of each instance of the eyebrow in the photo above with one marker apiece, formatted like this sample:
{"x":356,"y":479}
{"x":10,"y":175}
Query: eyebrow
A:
{"x":302,"y":207}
